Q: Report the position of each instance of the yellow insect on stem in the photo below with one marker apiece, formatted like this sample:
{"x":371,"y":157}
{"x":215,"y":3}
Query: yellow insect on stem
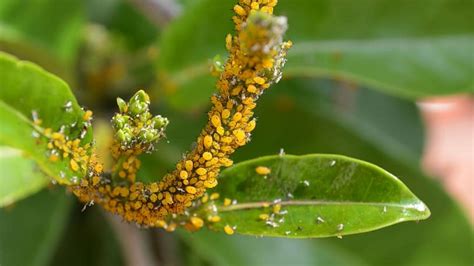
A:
{"x":256,"y":56}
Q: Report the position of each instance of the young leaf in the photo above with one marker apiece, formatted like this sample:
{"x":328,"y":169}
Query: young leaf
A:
{"x":32,"y":100}
{"x":313,"y":196}
{"x":408,"y":49}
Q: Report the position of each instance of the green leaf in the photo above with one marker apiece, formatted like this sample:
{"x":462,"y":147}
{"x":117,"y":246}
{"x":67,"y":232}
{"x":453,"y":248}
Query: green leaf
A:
{"x":19,"y":178}
{"x":341,"y":126}
{"x":88,"y":240}
{"x":46,"y":26}
{"x":217,"y":249}
{"x":304,"y":116}
{"x":410,"y":49}
{"x":319,"y":196}
{"x":26,"y":89}
{"x":30,"y":230}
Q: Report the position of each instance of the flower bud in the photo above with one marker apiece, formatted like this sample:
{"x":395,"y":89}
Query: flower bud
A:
{"x":159,"y":122}
{"x":123,"y":137}
{"x":122,"y":105}
{"x":137,"y":108}
{"x":119,"y":120}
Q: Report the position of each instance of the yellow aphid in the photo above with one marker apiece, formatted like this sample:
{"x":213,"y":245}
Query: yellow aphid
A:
{"x":267,"y":63}
{"x":225,"y":113}
{"x":228,"y":230}
{"x":74,"y":165}
{"x":122,"y":174}
{"x":239,"y":134}
{"x":53,"y":158}
{"x":220,"y":131}
{"x":237,"y":116}
{"x":84,"y":182}
{"x":276,"y":208}
{"x":272,"y":3}
{"x":201,"y":171}
{"x":207,"y":141}
{"x":263,"y":216}
{"x":87,"y":115}
{"x":171,"y":227}
{"x":214,"y":196}
{"x":161,"y":224}
{"x":239,"y":10}
{"x":99,"y":168}
{"x":137,"y":205}
{"x":95,"y":180}
{"x":250,"y":126}
{"x":252,"y":89}
{"x":216,"y":121}
{"x":57,"y":135}
{"x":263,"y":170}
{"x":154,"y":187}
{"x":196,"y":221}
{"x":228,"y":42}
{"x":259,"y":80}
{"x":227,"y":162}
{"x":183,"y":174}
{"x":191,"y":190}
{"x":205,"y":198}
{"x":210,"y":183}
{"x":207,"y":156}
{"x":267,"y":9}
{"x":134,"y":195}
{"x":116,"y":191}
{"x":188,"y":165}
{"x":227,"y":202}
{"x":254,"y":5}
{"x":47,"y":132}
{"x":124,"y":192}
{"x":214,"y":219}
{"x":153,"y":197}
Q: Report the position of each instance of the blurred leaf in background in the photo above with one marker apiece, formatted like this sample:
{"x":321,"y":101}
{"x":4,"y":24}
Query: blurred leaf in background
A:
{"x":351,"y":64}
{"x":404,"y":48}
{"x":306,"y":115}
{"x":88,"y":240}
{"x":30,"y":230}
{"x":47,"y":32}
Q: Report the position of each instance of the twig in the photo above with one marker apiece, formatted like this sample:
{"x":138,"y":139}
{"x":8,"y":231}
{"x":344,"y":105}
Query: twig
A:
{"x":135,"y":243}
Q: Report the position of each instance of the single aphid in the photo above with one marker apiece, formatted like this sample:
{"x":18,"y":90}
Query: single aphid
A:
{"x":263,"y":170}
{"x":228,"y":230}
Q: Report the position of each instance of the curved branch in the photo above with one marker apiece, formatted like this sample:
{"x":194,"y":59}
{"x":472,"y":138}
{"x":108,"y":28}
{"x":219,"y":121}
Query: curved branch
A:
{"x":257,"y":55}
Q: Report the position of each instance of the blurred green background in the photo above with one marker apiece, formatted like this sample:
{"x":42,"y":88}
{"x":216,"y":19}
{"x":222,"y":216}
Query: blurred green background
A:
{"x":350,"y":87}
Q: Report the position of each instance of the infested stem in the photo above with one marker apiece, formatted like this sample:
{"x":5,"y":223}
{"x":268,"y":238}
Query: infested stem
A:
{"x":256,"y":56}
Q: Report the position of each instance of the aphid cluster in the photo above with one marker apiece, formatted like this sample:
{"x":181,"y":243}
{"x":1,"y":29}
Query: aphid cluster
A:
{"x":61,"y":147}
{"x":257,"y":54}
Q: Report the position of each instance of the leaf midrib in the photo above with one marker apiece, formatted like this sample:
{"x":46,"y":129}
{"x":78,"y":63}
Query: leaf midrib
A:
{"x":262,"y":204}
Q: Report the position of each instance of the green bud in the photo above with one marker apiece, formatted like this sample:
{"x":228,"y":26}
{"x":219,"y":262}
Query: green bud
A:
{"x":119,"y":120}
{"x":217,"y":64}
{"x":122,"y":105}
{"x":160,"y":122}
{"x":122,"y":136}
{"x":145,"y":117}
{"x":140,"y":96}
{"x":137,"y":108}
{"x":148,"y":136}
